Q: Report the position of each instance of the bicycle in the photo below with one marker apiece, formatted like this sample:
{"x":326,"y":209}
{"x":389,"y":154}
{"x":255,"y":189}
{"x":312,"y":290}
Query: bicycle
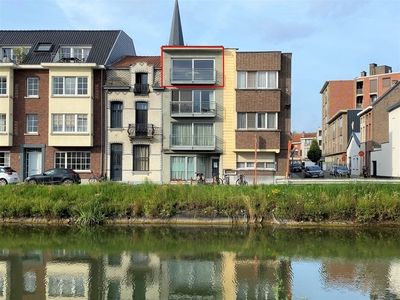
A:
{"x":199,"y":178}
{"x":226,"y":179}
{"x":241,"y":180}
{"x":217,"y":179}
{"x":98,"y":178}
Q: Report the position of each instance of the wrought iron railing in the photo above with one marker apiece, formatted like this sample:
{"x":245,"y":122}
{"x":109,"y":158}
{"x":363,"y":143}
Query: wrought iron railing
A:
{"x":141,"y":89}
{"x":141,"y":130}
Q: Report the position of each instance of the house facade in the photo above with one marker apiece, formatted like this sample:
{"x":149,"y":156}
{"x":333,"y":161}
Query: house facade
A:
{"x":134,"y":120}
{"x":342,"y":100}
{"x":53,"y":112}
{"x":257,"y":108}
{"x":377,"y":137}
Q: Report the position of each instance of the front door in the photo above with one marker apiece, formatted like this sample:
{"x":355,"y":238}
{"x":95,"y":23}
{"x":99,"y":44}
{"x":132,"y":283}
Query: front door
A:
{"x":33,"y":162}
{"x":214,"y":166}
{"x":116,"y":162}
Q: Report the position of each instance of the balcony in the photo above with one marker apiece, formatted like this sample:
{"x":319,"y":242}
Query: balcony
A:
{"x":192,"y":142}
{"x":141,"y":89}
{"x":359,"y":91}
{"x":193,"y":109}
{"x":72,"y":60}
{"x":193,"y":76}
{"x":138,"y":131}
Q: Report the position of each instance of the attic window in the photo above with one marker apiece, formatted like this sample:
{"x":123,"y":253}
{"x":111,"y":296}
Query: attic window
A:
{"x":43,"y":47}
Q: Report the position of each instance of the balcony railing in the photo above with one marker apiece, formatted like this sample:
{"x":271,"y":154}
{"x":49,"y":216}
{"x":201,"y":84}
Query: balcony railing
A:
{"x":141,"y":89}
{"x":141,"y":131}
{"x":72,"y":59}
{"x":193,"y":142}
{"x":193,"y":109}
{"x":359,"y":105}
{"x":197,"y":76}
{"x":359,"y":91}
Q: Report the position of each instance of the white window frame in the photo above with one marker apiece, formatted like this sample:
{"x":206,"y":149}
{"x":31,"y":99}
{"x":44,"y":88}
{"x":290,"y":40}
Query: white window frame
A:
{"x":32,"y":87}
{"x":70,"y":86}
{"x":262,"y":80}
{"x":5,"y":158}
{"x":3,"y":85}
{"x":69,"y":123}
{"x":32,"y":123}
{"x":3,"y":123}
{"x":245,"y":116}
{"x":269,"y":166}
{"x":80,"y":53}
{"x":76,"y":160}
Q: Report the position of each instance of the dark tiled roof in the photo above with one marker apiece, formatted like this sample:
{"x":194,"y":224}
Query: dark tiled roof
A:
{"x":131,"y":60}
{"x":103,"y":42}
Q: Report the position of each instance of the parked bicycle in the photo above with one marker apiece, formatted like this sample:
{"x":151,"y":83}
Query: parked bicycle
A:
{"x":226,"y":179}
{"x":199,"y":178}
{"x":98,"y":178}
{"x":217,"y":179}
{"x":365,"y":172}
{"x":241,"y":180}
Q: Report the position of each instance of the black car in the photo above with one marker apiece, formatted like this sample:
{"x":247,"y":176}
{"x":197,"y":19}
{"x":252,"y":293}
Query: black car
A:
{"x":55,"y":176}
{"x":313,"y":172}
{"x":295,"y":167}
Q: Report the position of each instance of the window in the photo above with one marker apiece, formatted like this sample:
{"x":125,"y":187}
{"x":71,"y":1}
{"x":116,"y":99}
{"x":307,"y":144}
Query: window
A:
{"x":3,"y":85}
{"x":188,"y":101}
{"x":260,"y":165}
{"x":185,"y":167}
{"x":340,"y":122}
{"x":193,"y":134}
{"x":373,"y":88}
{"x":80,"y":54}
{"x":70,"y":85}
{"x":386,"y":82}
{"x":141,"y":158}
{"x":193,"y":69}
{"x":4,"y":158}
{"x":72,"y":159}
{"x":32,"y":123}
{"x":2,"y":122}
{"x":116,"y":114}
{"x":257,"y":80}
{"x":258,"y":120}
{"x":43,"y":47}
{"x":69,"y":123}
{"x":32,"y":85}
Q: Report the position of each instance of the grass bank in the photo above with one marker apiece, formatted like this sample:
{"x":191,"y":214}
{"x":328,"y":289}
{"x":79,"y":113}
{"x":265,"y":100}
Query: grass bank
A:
{"x":106,"y":202}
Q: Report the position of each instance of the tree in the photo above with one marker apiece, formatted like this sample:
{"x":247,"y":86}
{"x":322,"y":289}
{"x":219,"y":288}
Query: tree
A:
{"x":314,"y":153}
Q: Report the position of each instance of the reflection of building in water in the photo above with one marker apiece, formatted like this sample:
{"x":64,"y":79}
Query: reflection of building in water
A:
{"x":131,"y":276}
{"x":370,"y":277}
{"x":394,"y":278}
{"x":4,"y":280}
{"x":67,"y":280}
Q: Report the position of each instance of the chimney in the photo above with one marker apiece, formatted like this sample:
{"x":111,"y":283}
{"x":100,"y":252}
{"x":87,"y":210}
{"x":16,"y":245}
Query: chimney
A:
{"x":372,"y":69}
{"x":363,"y":74}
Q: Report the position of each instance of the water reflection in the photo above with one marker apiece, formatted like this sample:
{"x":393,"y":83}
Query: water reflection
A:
{"x":199,"y":263}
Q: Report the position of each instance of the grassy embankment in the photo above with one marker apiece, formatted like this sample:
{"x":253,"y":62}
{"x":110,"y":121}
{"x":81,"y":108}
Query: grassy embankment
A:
{"x":104,"y":202}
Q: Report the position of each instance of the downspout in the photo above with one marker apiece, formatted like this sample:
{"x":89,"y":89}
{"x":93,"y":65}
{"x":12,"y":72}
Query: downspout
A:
{"x":101,"y":123}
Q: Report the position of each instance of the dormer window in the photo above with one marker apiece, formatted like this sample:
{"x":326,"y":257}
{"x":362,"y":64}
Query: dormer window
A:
{"x":74,"y":54}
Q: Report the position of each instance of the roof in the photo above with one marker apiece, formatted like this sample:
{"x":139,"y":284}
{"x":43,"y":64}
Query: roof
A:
{"x":356,"y":137}
{"x":107,"y":46}
{"x":131,"y":60}
{"x":305,"y":135}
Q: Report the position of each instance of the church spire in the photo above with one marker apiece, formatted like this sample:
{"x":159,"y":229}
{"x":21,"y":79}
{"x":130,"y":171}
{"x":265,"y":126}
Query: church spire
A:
{"x":176,"y":36}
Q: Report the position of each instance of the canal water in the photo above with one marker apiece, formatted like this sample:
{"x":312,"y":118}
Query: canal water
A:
{"x":199,"y":263}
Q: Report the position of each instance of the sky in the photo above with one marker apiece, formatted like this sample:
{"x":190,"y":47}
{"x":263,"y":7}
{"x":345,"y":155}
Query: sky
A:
{"x":328,"y":39}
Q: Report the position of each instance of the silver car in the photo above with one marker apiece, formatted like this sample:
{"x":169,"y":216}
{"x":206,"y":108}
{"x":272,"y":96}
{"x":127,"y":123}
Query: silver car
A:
{"x":8,"y":176}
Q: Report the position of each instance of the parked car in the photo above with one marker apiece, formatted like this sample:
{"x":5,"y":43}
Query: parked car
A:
{"x":8,"y":176}
{"x":313,"y":172}
{"x":295,"y":167}
{"x":55,"y":176}
{"x":342,"y":171}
